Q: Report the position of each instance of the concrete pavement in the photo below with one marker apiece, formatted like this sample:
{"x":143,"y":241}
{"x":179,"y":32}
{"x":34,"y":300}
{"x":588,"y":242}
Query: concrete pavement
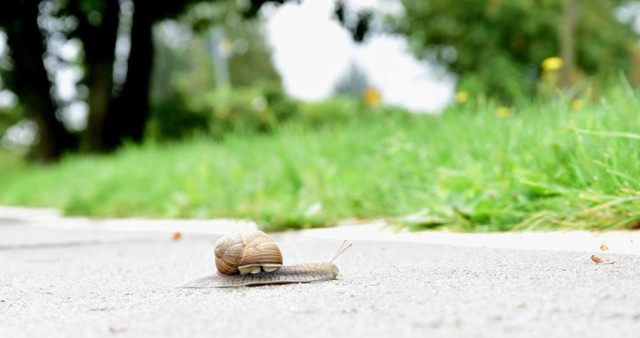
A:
{"x":93,"y":280}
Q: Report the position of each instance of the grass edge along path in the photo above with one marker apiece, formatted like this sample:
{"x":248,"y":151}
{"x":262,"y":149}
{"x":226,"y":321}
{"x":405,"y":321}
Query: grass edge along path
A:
{"x":475,"y":168}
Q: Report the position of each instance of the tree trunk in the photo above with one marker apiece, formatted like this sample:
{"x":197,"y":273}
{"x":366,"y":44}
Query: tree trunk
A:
{"x":31,"y":82}
{"x":100,"y":84}
{"x":129,"y":113}
{"x":99,"y":47}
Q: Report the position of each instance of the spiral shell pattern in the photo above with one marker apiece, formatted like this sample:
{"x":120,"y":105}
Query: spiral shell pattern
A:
{"x":247,"y":252}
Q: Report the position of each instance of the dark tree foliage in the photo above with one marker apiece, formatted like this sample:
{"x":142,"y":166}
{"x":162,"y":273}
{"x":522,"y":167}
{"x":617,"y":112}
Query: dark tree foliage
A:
{"x":114,"y":115}
{"x":99,"y":41}
{"x":123,"y":116}
{"x":29,"y":79}
{"x":358,"y":23}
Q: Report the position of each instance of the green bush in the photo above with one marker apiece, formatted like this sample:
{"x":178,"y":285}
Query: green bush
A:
{"x":253,"y":110}
{"x":244,"y":110}
{"x":218,"y":112}
{"x":172,"y":119}
{"x":336,"y":110}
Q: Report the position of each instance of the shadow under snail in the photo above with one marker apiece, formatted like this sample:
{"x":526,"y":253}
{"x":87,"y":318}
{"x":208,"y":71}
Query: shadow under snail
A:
{"x":253,"y":258}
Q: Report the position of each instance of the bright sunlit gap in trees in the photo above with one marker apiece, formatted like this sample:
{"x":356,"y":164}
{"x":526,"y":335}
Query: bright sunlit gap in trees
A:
{"x":311,"y":51}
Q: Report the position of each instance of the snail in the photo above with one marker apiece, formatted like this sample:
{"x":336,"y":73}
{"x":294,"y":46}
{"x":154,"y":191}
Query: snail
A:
{"x":253,"y":258}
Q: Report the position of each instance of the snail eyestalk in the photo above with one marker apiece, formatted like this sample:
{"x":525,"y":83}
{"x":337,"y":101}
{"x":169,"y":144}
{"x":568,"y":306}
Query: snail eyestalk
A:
{"x":343,"y":247}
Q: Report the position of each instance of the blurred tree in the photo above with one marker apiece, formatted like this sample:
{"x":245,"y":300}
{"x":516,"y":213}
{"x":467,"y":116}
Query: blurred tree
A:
{"x":97,"y":28}
{"x":501,"y":44}
{"x":117,"y":112}
{"x":184,"y":74}
{"x":28,"y":77}
{"x":353,"y":83}
{"x":183,"y":49}
{"x":115,"y":115}
{"x":357,"y":22}
{"x":251,"y":61}
{"x":128,"y":110}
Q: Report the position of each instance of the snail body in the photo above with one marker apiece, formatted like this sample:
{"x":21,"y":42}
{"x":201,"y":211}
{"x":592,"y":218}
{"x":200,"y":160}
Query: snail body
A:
{"x":262,"y":264}
{"x":303,"y":273}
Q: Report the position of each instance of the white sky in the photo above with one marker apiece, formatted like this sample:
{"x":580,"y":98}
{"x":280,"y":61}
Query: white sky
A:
{"x":312,"y":51}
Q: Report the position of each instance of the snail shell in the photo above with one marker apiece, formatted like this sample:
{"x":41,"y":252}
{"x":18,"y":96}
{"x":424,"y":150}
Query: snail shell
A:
{"x":247,"y":252}
{"x":252,"y":258}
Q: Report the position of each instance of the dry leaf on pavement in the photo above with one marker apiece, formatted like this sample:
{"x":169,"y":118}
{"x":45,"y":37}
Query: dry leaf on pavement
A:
{"x":177,"y":236}
{"x":599,"y":261}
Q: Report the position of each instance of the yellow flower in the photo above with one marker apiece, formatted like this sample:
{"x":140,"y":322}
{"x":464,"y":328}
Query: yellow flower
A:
{"x":371,"y":97}
{"x":577,"y":104}
{"x":462,"y":96}
{"x":503,"y":111}
{"x":552,"y":63}
{"x":604,"y":247}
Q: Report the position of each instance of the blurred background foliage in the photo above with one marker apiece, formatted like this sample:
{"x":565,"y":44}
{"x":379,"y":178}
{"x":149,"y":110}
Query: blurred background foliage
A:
{"x":186,"y":99}
{"x":497,"y":47}
{"x":153,"y":70}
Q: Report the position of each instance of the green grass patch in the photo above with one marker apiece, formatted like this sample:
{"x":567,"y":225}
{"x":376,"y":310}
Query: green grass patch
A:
{"x":543,"y":166}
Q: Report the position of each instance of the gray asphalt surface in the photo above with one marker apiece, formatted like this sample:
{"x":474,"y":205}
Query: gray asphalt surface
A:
{"x":89,"y":283}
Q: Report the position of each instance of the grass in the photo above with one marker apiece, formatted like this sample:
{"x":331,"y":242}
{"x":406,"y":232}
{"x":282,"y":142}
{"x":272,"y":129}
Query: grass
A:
{"x":543,"y":166}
